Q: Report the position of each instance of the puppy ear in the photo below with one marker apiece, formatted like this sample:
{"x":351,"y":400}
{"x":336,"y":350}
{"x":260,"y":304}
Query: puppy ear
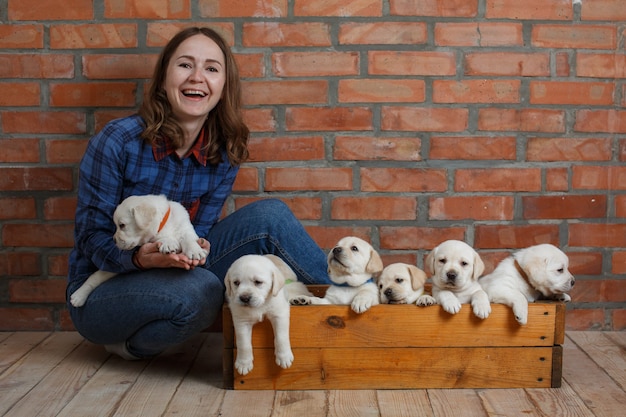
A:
{"x":418,"y":277}
{"x":229,"y":285}
{"x":278,"y":281}
{"x":144,"y":215}
{"x":479,"y":266}
{"x":430,"y":262}
{"x":374,"y":265}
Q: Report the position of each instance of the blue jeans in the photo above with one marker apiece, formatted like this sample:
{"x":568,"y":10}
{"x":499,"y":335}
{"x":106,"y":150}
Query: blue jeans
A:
{"x":154,"y":309}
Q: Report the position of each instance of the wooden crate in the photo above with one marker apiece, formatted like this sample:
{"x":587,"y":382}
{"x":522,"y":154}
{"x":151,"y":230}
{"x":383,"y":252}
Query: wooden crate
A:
{"x":405,"y":347}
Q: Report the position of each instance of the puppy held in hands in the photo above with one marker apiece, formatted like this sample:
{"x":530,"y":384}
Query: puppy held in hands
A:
{"x":142,"y":219}
{"x":455,"y":267}
{"x":530,"y":274}
{"x":353,"y":265}
{"x":401,"y":283}
{"x":258,"y":287}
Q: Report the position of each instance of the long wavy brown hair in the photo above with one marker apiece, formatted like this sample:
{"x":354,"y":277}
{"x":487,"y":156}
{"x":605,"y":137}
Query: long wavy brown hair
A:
{"x":224,"y":125}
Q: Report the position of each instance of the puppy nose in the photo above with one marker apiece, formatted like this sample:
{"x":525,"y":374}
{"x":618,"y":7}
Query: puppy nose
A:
{"x":245,"y":299}
{"x":388,"y":292}
{"x":337,"y":250}
{"x":451,"y":276}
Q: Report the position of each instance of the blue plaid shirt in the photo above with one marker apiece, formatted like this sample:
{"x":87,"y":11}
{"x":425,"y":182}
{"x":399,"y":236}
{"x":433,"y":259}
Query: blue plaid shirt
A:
{"x":118,"y":164}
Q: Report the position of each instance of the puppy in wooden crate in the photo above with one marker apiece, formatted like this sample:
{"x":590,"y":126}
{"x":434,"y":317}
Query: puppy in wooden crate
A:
{"x":455,"y":267}
{"x":402,"y":283}
{"x":142,"y":219}
{"x":258,"y":287}
{"x":353,"y":266}
{"x":530,"y":274}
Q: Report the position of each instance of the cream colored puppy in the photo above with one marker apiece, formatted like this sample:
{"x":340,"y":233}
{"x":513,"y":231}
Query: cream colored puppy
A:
{"x":353,"y":265}
{"x":142,"y":219}
{"x":401,"y":283}
{"x":258,"y":287}
{"x":455,"y":267}
{"x":530,"y":274}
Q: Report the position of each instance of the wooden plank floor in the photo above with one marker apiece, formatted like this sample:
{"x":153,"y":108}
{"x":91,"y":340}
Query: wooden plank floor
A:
{"x":61,"y":374}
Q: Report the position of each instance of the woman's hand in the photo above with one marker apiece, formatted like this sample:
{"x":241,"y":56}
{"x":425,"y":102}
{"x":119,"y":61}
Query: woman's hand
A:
{"x":148,"y":256}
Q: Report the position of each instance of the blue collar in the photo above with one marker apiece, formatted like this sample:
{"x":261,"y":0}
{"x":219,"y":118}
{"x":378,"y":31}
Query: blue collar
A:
{"x":345,"y":284}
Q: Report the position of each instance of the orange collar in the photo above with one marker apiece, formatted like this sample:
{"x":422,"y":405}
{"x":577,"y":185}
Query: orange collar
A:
{"x":167,"y":216}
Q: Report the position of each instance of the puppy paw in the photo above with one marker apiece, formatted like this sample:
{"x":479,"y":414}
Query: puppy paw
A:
{"x":481,"y":310}
{"x":426,"y":300}
{"x":452,"y":307}
{"x":563,"y":297}
{"x":168,"y":246}
{"x":243,"y":366}
{"x":284,"y":359}
{"x":521,"y":313}
{"x":361,"y":304}
{"x":302,"y":300}
{"x":194,"y":251}
{"x":78,"y":298}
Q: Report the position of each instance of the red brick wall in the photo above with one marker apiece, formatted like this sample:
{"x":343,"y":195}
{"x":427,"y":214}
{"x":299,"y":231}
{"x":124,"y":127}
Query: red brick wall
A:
{"x":406,"y":122}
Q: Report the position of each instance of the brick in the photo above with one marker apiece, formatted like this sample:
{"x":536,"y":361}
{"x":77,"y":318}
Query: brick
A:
{"x":250,"y":65}
{"x":411,"y":63}
{"x":609,"y":121}
{"x":498,"y":179}
{"x":19,"y":150}
{"x":102,"y":117}
{"x":618,"y":318}
{"x":441,"y":8}
{"x":381,"y":91}
{"x":335,"y":119}
{"x":227,"y":8}
{"x":64,"y":151}
{"x":49,"y":235}
{"x":601,"y":65}
{"x":569,"y":149}
{"x":67,"y":122}
{"x":36,"y":66}
{"x":26,"y":319}
{"x":611,"y":10}
{"x":417,"y":238}
{"x":476,"y":91}
{"x":424,"y":119}
{"x":37,"y":291}
{"x":285,"y":92}
{"x":505,"y":236}
{"x":139,"y":9}
{"x":571,"y":93}
{"x":564,"y":207}
{"x":584,"y":319}
{"x":59,"y":208}
{"x":563,"y":68}
{"x":473,"y":147}
{"x":23,"y":264}
{"x":377,"y":148}
{"x":591,"y":177}
{"x":403,"y":179}
{"x":110,"y":67}
{"x":383,"y":33}
{"x":327,"y":237}
{"x":260,"y":120}
{"x":304,"y":208}
{"x":13,"y":208}
{"x":351,"y":8}
{"x":525,"y":120}
{"x":620,"y":207}
{"x":58,"y":265}
{"x":614,"y":291}
{"x":247,"y":180}
{"x":159,"y":33}
{"x":21,"y":36}
{"x":471,"y":208}
{"x":275,"y":34}
{"x":286,"y":149}
{"x":93,"y":94}
{"x":557,"y":179}
{"x":313,"y":179}
{"x":107,"y":35}
{"x":598,"y":235}
{"x":50,"y":10}
{"x":532,"y":64}
{"x":478,"y":34}
{"x":315,"y":64}
{"x":374,"y":208}
{"x":65,"y":322}
{"x":20,"y":94}
{"x":585,"y":263}
{"x":574,"y":36}
{"x":529,"y":10}
{"x":36,"y":179}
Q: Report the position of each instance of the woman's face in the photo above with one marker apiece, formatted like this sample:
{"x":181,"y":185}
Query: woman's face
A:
{"x":195,"y":78}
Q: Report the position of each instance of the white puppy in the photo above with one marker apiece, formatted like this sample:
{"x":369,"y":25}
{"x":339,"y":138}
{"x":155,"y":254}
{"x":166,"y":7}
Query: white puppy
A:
{"x":258,"y":287}
{"x":530,"y":274}
{"x":401,"y":283}
{"x":455,"y":267}
{"x":142,"y":219}
{"x":353,"y":265}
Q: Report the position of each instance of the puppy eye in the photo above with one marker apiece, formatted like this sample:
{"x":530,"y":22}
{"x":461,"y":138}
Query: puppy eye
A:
{"x":442,"y":260}
{"x":399,"y":280}
{"x":463,"y":263}
{"x":258,"y":282}
{"x":121,"y":226}
{"x":354,"y":249}
{"x":380,"y":286}
{"x":236,"y":283}
{"x":560,"y":270}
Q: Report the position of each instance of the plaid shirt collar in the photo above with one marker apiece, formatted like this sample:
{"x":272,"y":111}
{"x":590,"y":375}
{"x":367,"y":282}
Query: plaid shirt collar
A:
{"x":198,"y":150}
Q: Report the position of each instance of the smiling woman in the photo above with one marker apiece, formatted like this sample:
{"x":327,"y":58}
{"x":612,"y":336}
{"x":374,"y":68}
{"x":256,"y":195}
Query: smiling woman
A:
{"x":186,"y":143}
